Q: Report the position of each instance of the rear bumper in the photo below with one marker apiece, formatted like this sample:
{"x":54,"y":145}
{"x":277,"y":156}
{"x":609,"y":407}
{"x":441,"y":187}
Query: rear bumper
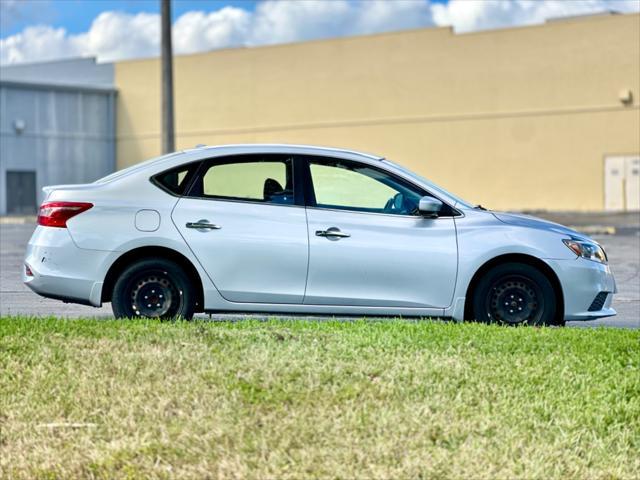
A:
{"x":63,"y":271}
{"x":582,"y":280}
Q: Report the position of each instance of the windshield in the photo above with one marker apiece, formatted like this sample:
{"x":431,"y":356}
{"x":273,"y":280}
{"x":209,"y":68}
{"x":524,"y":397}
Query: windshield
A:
{"x":436,"y":189}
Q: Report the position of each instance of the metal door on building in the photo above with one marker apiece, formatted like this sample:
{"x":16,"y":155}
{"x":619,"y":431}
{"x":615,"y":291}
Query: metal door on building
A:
{"x":21,"y":192}
{"x":622,"y":183}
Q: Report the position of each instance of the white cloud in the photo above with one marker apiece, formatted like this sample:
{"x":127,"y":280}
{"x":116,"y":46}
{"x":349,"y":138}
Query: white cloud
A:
{"x":198,"y":31}
{"x":280,"y":22}
{"x":37,"y":43}
{"x":112,"y":36}
{"x":117,"y":35}
{"x":469,"y":15}
{"x":290,"y":21}
{"x":384,"y":16}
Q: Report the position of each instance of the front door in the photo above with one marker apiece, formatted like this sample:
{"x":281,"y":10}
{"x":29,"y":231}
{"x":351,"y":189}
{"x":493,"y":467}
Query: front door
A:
{"x":367,"y":244}
{"x":242,"y":223}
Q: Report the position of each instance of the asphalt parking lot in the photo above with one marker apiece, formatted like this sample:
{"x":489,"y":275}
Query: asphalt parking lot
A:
{"x":623,"y":249}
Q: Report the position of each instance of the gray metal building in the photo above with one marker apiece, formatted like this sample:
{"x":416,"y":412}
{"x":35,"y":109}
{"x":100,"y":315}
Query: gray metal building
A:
{"x":57,"y":125}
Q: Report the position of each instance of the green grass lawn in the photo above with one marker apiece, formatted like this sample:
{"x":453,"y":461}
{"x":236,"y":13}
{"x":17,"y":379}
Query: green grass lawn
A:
{"x":299,"y":399}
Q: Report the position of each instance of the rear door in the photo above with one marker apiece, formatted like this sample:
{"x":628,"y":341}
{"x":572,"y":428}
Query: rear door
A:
{"x":242,"y":221}
{"x":369,"y":247}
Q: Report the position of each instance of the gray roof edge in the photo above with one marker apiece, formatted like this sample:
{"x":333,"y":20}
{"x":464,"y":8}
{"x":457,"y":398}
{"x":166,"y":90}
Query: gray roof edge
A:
{"x":58,"y":86}
{"x":82,"y":71}
{"x":92,"y":59}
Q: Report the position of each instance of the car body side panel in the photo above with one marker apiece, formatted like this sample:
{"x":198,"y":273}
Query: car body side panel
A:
{"x":221,"y":305}
{"x":582,"y":280}
{"x":388,"y":260}
{"x":259,"y":253}
{"x":62,"y":270}
{"x":110,"y":227}
{"x":111,"y":222}
{"x":482,"y":237}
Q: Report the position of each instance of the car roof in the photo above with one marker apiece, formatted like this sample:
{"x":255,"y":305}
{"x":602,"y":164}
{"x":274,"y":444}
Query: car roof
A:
{"x":201,"y":152}
{"x":282,"y":148}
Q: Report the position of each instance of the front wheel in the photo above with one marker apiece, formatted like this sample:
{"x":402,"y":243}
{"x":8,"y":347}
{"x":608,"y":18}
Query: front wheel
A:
{"x":515,"y":294}
{"x":153,"y":288}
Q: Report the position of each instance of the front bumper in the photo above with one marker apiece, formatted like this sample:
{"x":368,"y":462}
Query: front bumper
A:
{"x":582,"y":280}
{"x":63,"y":271}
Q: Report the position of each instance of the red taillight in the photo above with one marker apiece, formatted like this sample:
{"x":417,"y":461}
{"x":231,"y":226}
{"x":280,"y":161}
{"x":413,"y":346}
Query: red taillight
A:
{"x":56,"y":214}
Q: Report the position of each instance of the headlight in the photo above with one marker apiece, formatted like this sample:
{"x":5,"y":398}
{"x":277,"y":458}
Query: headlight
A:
{"x":588,"y":250}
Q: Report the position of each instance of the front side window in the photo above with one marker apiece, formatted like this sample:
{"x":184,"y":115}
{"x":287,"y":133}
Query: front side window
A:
{"x":348,"y":185}
{"x":256,"y":178}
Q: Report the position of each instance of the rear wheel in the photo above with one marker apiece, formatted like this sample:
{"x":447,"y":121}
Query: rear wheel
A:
{"x":153,"y":289}
{"x":515,"y":294}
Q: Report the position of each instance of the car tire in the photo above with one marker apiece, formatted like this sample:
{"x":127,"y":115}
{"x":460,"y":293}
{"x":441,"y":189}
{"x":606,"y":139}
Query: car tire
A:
{"x":153,"y":288}
{"x":515,"y":294}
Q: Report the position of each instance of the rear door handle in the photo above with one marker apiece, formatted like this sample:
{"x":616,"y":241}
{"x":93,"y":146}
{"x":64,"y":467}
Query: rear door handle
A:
{"x":203,"y":225}
{"x":332,"y":232}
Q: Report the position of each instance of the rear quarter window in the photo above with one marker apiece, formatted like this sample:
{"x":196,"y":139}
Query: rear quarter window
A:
{"x":176,"y":180}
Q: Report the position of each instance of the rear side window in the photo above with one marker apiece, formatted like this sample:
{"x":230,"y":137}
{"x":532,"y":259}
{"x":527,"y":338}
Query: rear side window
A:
{"x":176,"y":180}
{"x":254,"y":178}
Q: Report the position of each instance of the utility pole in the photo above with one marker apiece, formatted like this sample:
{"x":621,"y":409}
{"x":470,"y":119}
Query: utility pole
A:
{"x":168,"y":133}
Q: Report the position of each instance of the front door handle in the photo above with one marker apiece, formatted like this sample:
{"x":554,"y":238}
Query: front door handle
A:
{"x":203,"y":225}
{"x":332,"y":233}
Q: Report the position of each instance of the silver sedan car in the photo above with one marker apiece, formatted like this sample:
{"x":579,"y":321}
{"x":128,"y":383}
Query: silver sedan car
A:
{"x":302,"y":229}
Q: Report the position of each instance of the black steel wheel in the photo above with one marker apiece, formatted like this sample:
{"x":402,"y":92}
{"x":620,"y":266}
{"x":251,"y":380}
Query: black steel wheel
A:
{"x":514,"y":294}
{"x":153,"y":289}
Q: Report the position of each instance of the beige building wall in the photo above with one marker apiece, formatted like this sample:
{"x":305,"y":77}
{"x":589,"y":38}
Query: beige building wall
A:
{"x":512,"y":119}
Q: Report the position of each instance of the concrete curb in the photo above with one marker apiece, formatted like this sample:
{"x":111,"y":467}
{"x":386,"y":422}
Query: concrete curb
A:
{"x":17,"y":220}
{"x":594,"y":229}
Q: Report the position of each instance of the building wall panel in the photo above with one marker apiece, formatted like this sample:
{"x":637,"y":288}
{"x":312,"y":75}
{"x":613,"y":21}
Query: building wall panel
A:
{"x":514,"y":119}
{"x":68,"y":135}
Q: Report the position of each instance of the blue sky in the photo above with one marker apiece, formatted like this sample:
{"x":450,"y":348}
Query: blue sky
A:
{"x":76,"y":15}
{"x":38,"y":30}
